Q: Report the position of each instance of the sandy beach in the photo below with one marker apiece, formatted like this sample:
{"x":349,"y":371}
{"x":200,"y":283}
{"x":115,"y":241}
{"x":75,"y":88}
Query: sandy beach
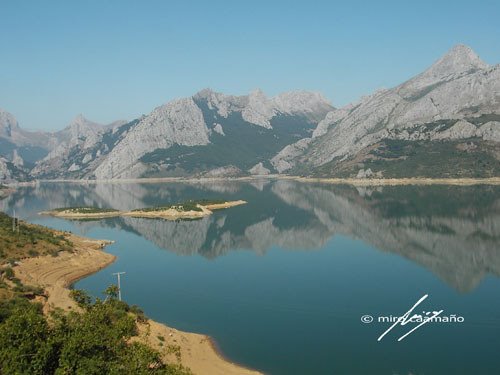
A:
{"x":56,"y":274}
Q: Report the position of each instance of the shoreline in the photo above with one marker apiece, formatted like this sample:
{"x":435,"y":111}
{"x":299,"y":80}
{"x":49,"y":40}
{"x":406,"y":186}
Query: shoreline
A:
{"x":461,"y":181}
{"x":56,"y":275}
{"x":423,"y":181}
{"x":220,"y":354}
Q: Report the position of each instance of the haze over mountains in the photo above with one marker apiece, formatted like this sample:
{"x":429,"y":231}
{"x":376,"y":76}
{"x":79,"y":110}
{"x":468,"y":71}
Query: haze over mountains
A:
{"x":445,"y":122}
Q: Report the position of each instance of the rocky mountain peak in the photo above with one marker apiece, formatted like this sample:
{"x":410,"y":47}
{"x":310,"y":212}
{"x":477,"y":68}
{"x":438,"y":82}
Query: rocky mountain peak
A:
{"x":459,"y":59}
{"x":81,"y":121}
{"x":257,"y":93}
{"x":302,"y":102}
{"x":81,"y":127}
{"x":7,"y":123}
{"x":205,"y":93}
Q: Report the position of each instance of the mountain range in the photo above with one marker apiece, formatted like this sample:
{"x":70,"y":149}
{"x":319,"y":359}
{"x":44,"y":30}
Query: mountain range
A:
{"x":444,"y":122}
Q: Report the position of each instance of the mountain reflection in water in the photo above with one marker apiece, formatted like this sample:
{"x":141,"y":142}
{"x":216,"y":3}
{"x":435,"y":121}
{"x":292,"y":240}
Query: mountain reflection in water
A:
{"x":453,"y":231}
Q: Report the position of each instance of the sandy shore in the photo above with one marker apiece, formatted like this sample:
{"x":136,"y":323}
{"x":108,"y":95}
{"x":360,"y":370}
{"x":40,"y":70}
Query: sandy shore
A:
{"x":168,"y":214}
{"x":56,"y":274}
{"x":219,"y":206}
{"x":197,"y":351}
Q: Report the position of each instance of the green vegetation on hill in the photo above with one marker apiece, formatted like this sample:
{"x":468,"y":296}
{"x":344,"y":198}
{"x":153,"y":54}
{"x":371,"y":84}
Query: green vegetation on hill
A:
{"x":97,"y":339}
{"x":93,"y":341}
{"x":28,"y":240}
{"x":472,"y":158}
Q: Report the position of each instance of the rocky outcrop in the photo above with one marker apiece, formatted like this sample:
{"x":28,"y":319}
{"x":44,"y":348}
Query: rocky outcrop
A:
{"x":179,"y":122}
{"x":9,"y":172}
{"x":490,"y":131}
{"x":286,"y":158}
{"x":256,"y":108}
{"x":186,"y":123}
{"x":80,"y":136}
{"x":259,"y":169}
{"x":459,"y":88}
{"x":226,"y":171}
{"x":21,"y":147}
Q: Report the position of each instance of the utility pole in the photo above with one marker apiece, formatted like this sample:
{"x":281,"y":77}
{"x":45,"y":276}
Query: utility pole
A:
{"x":119,"y":285}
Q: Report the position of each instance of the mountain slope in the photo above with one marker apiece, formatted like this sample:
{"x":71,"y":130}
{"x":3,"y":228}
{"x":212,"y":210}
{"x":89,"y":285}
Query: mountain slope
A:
{"x":23,"y":148}
{"x":79,"y":144}
{"x":449,"y":113}
{"x":208,"y":133}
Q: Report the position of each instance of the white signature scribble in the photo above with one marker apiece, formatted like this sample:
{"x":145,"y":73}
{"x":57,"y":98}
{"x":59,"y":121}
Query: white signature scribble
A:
{"x":406,"y":318}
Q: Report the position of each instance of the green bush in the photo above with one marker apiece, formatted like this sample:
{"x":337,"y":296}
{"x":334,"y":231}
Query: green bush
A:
{"x":95,"y":341}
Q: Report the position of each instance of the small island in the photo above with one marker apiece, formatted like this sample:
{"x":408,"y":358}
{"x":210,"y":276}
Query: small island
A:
{"x":192,"y":209}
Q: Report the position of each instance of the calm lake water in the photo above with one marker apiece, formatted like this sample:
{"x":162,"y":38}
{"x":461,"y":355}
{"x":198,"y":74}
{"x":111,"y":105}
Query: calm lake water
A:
{"x":282,"y":282}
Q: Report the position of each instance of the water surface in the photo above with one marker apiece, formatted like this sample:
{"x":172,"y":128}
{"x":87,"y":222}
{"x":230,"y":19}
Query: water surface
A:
{"x":281,"y":283}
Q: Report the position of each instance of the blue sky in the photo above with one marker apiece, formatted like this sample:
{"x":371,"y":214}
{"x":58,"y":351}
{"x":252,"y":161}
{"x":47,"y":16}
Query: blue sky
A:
{"x":119,"y":59}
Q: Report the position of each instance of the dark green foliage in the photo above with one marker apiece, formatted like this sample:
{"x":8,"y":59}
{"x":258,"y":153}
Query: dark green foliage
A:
{"x":7,"y":272}
{"x":473,"y":158}
{"x":25,"y":347}
{"x":181,"y":207}
{"x":139,"y":314}
{"x":483,"y":119}
{"x":9,"y":306}
{"x":95,"y":341}
{"x":435,"y":159}
{"x":112,"y":291}
{"x":191,"y":205}
{"x":81,"y":298}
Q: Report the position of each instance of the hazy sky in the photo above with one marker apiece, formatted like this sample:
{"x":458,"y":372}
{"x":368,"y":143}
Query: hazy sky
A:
{"x":119,"y":59}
